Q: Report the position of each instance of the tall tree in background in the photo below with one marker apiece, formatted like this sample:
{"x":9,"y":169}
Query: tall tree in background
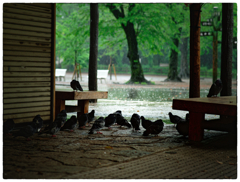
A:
{"x":184,"y":69}
{"x":227,"y":48}
{"x":128,"y":27}
{"x":173,"y":60}
{"x":92,"y":70}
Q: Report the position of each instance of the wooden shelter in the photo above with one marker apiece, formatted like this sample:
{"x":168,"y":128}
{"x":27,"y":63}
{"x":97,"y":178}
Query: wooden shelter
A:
{"x":28,"y":61}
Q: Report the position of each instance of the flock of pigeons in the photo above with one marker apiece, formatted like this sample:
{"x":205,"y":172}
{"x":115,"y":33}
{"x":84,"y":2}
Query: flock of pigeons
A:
{"x":61,"y":122}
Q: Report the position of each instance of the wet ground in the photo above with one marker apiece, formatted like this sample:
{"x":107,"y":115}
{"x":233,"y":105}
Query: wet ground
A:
{"x":120,"y":153}
{"x":75,"y":154}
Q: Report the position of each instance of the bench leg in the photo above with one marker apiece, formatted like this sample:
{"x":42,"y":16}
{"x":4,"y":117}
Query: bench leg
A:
{"x":83,"y":106}
{"x":59,"y":106}
{"x":196,"y":130}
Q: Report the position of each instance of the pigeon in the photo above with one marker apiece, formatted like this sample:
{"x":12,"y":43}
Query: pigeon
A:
{"x":97,"y":125}
{"x":8,"y":126}
{"x":145,"y":123}
{"x":70,"y":124}
{"x":135,"y":121}
{"x":75,"y":85}
{"x":27,"y":131}
{"x":39,"y":122}
{"x":82,"y":120}
{"x":183,"y":128}
{"x":215,"y":89}
{"x":175,"y":119}
{"x":53,"y":127}
{"x":155,"y":128}
{"x":90,"y":116}
{"x":62,"y":116}
{"x":110,"y":120}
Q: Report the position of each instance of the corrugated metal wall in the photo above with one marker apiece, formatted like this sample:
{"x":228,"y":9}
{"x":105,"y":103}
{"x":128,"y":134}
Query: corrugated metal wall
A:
{"x":28,"y":61}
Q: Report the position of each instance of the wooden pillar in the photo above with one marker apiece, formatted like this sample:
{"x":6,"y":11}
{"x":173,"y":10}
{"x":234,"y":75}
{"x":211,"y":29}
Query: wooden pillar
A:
{"x":92,"y":71}
{"x":195,"y":19}
{"x":227,"y":47}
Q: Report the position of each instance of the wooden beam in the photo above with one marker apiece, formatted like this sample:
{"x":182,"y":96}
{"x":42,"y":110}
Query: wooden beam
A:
{"x":26,"y":99}
{"x":26,"y":84}
{"x":31,"y":89}
{"x":26,"y":43}
{"x":25,"y":27}
{"x":24,"y":48}
{"x":26,"y":79}
{"x":25,"y":69}
{"x":28,"y":104}
{"x":26,"y":17}
{"x":27,"y":74}
{"x":22,"y":58}
{"x":29,"y":94}
{"x":28,"y":6}
{"x":26,"y":110}
{"x":26,"y":38}
{"x":31,"y":64}
{"x":26,"y":115}
{"x":7,"y":8}
{"x":24,"y":53}
{"x":24,"y":32}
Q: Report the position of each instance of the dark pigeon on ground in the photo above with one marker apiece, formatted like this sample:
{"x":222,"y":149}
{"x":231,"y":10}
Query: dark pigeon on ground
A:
{"x":135,"y":123}
{"x":176,"y":119}
{"x":27,"y":131}
{"x":110,"y":120}
{"x":53,"y":127}
{"x":97,"y":125}
{"x":145,"y":122}
{"x":90,"y":116}
{"x":8,"y":126}
{"x":82,"y":120}
{"x":155,"y":128}
{"x":123,"y":122}
{"x":183,"y":128}
{"x":75,"y":85}
{"x":70,"y":124}
{"x":39,"y":122}
{"x":215,"y":88}
{"x":62,"y":116}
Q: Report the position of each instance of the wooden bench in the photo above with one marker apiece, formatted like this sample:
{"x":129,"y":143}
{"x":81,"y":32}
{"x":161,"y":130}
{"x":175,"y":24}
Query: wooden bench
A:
{"x":60,"y":73}
{"x":102,"y":74}
{"x":82,"y":98}
{"x":198,"y":107}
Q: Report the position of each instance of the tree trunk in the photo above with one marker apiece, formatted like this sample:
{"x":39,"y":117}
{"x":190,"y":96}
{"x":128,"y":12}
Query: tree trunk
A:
{"x":195,"y":19}
{"x":184,"y":70}
{"x":136,"y":67}
{"x":227,"y":47}
{"x":173,"y":63}
{"x":92,"y":71}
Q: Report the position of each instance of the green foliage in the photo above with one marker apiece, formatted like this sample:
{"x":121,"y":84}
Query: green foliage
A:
{"x":72,"y":33}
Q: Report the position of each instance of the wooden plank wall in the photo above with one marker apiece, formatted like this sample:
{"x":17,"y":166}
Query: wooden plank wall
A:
{"x":28,"y":61}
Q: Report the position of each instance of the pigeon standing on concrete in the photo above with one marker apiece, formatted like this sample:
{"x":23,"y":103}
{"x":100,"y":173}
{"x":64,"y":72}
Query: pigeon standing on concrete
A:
{"x":75,"y":85}
{"x":110,"y":120}
{"x":62,"y":116}
{"x":97,"y":125}
{"x":183,"y":128}
{"x":70,"y":124}
{"x":53,"y":127}
{"x":215,"y":89}
{"x":175,"y":119}
{"x":27,"y":131}
{"x":155,"y":128}
{"x":145,"y":123}
{"x":82,"y":120}
{"x":135,"y":121}
{"x":8,"y":126}
{"x":90,"y":116}
{"x":39,"y":122}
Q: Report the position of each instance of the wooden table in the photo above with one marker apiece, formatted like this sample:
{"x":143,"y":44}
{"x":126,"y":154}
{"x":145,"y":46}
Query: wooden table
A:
{"x":198,"y":107}
{"x":82,"y":100}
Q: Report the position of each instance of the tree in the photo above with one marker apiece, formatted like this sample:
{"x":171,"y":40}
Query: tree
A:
{"x":72,"y":33}
{"x":184,"y":69}
{"x":173,"y":62}
{"x":128,"y":27}
{"x":94,"y":17}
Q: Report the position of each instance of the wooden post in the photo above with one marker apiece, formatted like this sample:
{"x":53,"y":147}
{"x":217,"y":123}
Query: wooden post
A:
{"x":195,"y":19}
{"x":227,"y":47}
